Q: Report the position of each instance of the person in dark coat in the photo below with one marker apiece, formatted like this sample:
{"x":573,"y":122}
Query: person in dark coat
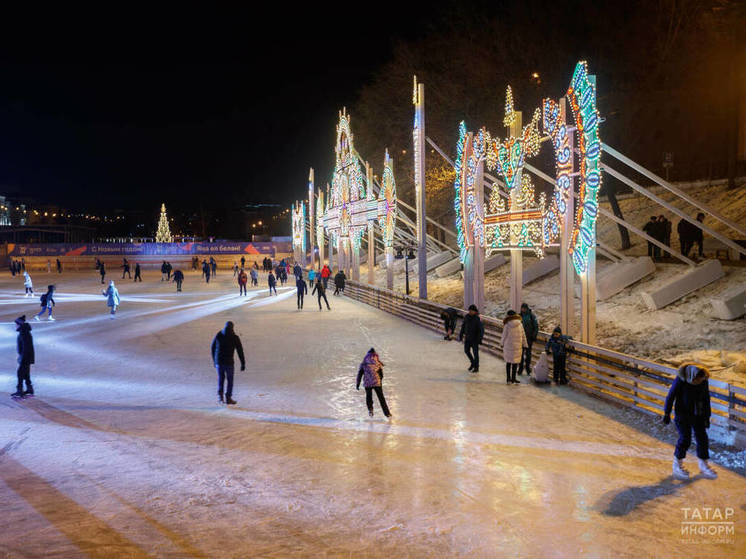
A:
{"x":25,"y":348}
{"x":698,"y":236}
{"x":272,"y":282}
{"x":339,"y":282}
{"x":126,"y":268}
{"x":225,"y":343}
{"x":164,"y":270}
{"x":59,"y":266}
{"x":557,"y":347}
{"x":302,"y":288}
{"x":689,"y":397}
{"x":449,"y":316}
{"x":102,"y":271}
{"x":178,"y":279}
{"x":472,"y":334}
{"x":371,"y":373}
{"x":206,"y":271}
{"x":651,"y":228}
{"x":137,"y":272}
{"x":531,"y":328}
{"x":297,"y":271}
{"x":665,"y":230}
{"x":320,"y":291}
{"x":47,"y":303}
{"x":243,"y":262}
{"x":169,"y":268}
{"x":684,"y":230}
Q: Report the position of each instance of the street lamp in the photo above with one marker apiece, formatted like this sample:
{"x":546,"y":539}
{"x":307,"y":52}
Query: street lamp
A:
{"x":410,"y":256}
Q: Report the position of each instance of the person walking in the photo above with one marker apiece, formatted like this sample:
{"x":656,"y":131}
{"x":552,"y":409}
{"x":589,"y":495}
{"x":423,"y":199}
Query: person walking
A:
{"x":224,"y":344}
{"x":320,"y":292}
{"x":698,"y":236}
{"x":126,"y":268}
{"x":59,"y":266}
{"x":513,"y":344}
{"x":25,"y":349}
{"x":449,"y":321}
{"x":47,"y":304}
{"x":254,"y":276}
{"x":689,"y":397}
{"x":371,"y":373}
{"x":684,"y":230}
{"x":297,"y":271}
{"x":531,"y":328}
{"x":28,"y":284}
{"x":137,"y":272}
{"x":651,"y":229}
{"x":242,"y":281}
{"x":472,"y":334}
{"x":243,"y":262}
{"x":164,"y":270}
{"x":178,"y":279}
{"x":302,"y":289}
{"x":112,"y":298}
{"x":325,"y":274}
{"x":339,"y":282}
{"x":557,"y":346}
{"x":272,"y":282}
{"x":206,"y":271}
{"x":665,"y":232}
{"x":102,"y":271}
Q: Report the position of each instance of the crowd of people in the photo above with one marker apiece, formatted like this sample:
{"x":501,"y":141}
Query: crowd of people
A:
{"x":659,"y":228}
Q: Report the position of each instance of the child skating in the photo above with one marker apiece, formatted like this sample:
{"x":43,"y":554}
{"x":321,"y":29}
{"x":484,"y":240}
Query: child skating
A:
{"x":28,"y":284}
{"x":47,"y":304}
{"x":371,"y":373}
{"x":689,"y":397}
{"x":557,"y":347}
{"x":25,"y":347}
{"x":112,"y":298}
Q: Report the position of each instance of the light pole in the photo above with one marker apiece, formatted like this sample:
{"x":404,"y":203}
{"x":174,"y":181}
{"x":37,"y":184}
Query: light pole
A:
{"x":410,"y":256}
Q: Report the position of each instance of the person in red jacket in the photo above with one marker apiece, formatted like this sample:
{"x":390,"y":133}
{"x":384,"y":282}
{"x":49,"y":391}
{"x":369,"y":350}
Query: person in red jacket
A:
{"x":325,"y":275}
{"x":242,"y":281}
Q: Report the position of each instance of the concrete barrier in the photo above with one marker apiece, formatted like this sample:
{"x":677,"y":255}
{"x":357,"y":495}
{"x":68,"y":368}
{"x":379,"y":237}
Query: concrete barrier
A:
{"x":540,"y":268}
{"x":620,"y":275}
{"x":691,"y":280}
{"x":450,"y":267}
{"x":492,"y":263}
{"x":731,"y":304}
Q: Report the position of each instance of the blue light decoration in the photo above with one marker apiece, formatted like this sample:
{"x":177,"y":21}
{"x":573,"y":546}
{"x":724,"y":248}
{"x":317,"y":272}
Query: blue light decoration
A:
{"x":469,"y":213}
{"x":582,"y":98}
{"x":461,"y":221}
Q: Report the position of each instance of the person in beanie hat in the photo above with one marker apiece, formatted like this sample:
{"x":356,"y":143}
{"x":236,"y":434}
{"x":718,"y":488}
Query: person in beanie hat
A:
{"x":112,"y":298}
{"x":689,"y":397}
{"x":371,"y":373}
{"x":557,"y":346}
{"x":472,"y":333}
{"x":25,"y":347}
{"x":514,"y":343}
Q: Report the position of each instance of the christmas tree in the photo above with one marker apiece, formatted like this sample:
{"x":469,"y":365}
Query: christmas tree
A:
{"x":163,"y":235}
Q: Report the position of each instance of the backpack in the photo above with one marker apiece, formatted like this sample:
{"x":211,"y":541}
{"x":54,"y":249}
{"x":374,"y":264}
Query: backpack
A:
{"x":43,"y":299}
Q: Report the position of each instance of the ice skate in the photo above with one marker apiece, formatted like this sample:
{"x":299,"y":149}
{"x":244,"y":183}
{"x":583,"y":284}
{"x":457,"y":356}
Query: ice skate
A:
{"x":220,"y":399}
{"x":679,"y":472}
{"x":370,"y":413}
{"x":706,"y":471}
{"x":52,"y":319}
{"x":230,"y":401}
{"x":36,"y":318}
{"x":17,"y":395}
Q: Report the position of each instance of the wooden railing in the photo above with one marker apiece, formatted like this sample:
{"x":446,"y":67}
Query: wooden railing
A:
{"x":625,"y":379}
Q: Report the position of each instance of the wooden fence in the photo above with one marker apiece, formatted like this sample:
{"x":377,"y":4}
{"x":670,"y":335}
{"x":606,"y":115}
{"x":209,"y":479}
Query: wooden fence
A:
{"x":625,"y":379}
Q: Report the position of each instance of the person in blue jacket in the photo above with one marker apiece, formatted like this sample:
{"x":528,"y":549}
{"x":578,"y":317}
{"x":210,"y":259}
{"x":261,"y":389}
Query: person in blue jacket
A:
{"x":112,"y":298}
{"x":302,"y":288}
{"x":47,"y":303}
{"x":557,"y":347}
{"x":689,"y":397}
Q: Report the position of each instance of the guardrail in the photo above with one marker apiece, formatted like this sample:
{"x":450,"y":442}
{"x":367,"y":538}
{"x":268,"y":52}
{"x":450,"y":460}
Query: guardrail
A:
{"x":625,"y":379}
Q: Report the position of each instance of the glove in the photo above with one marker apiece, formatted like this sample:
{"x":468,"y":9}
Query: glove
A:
{"x":243,"y":367}
{"x":666,"y":419}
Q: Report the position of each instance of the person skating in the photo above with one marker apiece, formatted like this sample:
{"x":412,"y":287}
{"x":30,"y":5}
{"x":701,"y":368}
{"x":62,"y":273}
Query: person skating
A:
{"x":178,"y":279}
{"x":311,"y":276}
{"x":513,"y":343}
{"x":169,"y":268}
{"x":137,"y":272}
{"x":59,"y":266}
{"x":112,"y":298}
{"x":164,"y":270}
{"x":557,"y":347}
{"x":243,"y":262}
{"x":320,"y":292}
{"x":531,"y":328}
{"x":235,"y":269}
{"x":225,"y":343}
{"x":47,"y":303}
{"x":206,"y":271}
{"x":297,"y":271}
{"x":371,"y":373}
{"x":126,"y":268}
{"x":325,"y":275}
{"x":449,"y":316}
{"x":472,"y":333}
{"x":25,"y":348}
{"x":272,"y":282}
{"x":689,"y":397}
{"x":302,"y":289}
{"x":28,"y":285}
{"x":339,"y":282}
{"x":242,"y":281}
{"x":254,"y":276}
{"x":102,"y":271}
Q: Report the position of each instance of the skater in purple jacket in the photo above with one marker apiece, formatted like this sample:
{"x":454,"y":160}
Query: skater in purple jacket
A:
{"x":371,"y":373}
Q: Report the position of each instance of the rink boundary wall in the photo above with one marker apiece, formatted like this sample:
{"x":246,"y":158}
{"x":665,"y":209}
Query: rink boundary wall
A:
{"x":625,"y":379}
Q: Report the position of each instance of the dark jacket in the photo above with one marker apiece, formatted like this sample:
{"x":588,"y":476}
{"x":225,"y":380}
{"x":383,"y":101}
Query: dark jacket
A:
{"x":319,"y":287}
{"x":690,"y":402}
{"x":47,"y":299}
{"x":178,"y":276}
{"x":271,"y":280}
{"x":339,"y":279}
{"x":558,"y":345}
{"x":450,"y":314}
{"x":530,"y":325}
{"x":472,"y":329}
{"x":25,"y":344}
{"x":223,"y":346}
{"x":297,"y":271}
{"x":300,"y":284}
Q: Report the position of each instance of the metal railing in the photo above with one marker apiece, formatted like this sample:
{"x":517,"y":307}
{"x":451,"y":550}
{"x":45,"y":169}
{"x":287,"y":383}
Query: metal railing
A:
{"x":625,"y":379}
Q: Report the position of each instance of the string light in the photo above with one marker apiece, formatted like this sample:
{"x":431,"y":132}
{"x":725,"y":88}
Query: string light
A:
{"x":387,"y":202}
{"x":298,"y":213}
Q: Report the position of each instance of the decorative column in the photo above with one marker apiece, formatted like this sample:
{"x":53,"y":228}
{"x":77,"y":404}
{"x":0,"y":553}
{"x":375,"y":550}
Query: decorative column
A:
{"x":311,"y":220}
{"x":515,"y":130}
{"x":588,"y":279}
{"x":355,"y":261}
{"x":474,"y":257}
{"x":371,"y":229}
{"x":389,"y":254}
{"x":566,"y":270}
{"x":418,"y":133}
{"x":320,"y":228}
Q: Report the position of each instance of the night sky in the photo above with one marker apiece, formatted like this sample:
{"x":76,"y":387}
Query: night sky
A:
{"x":107,"y":111}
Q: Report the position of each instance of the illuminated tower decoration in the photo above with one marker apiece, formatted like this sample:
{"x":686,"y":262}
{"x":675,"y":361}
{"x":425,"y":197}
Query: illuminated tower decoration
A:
{"x":418,"y":138}
{"x":387,"y":216}
{"x":311,"y":219}
{"x":163,"y":234}
{"x":298,"y":215}
{"x":320,"y":227}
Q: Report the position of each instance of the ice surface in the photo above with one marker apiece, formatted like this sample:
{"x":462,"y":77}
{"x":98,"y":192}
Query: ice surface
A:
{"x":125,"y":453}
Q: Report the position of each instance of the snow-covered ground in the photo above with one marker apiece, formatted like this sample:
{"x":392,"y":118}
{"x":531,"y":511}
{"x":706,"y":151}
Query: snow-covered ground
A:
{"x":125,"y":453}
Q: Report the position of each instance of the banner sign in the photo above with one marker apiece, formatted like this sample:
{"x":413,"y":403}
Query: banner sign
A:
{"x":145,"y":249}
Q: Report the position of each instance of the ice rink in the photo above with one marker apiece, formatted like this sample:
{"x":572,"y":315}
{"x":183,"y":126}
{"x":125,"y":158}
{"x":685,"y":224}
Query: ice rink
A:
{"x":124,"y":451}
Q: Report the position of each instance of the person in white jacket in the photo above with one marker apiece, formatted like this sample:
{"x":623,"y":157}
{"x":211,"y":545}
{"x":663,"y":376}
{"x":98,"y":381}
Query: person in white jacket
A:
{"x":112,"y":298}
{"x":513,"y":342}
{"x":27,"y":284}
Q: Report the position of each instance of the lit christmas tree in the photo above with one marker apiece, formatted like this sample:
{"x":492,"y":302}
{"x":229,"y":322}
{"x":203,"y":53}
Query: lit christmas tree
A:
{"x":163,"y":235}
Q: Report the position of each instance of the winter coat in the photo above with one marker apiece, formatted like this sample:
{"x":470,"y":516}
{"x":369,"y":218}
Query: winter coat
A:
{"x":178,"y":276}
{"x":558,"y":345}
{"x":319,"y":287}
{"x":513,"y":339}
{"x":112,"y":296}
{"x":450,"y":314}
{"x":242,"y":278}
{"x":370,"y":371}
{"x":530,"y":325}
{"x":297,"y":271}
{"x":690,"y":402}
{"x":47,"y":300}
{"x":300,"y":284}
{"x":325,"y":272}
{"x":271,"y":280}
{"x":339,"y":279}
{"x":25,"y":344}
{"x":27,"y":280}
{"x":254,"y":274}
{"x":311,"y":276}
{"x":223,"y":346}
{"x":472,"y":329}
